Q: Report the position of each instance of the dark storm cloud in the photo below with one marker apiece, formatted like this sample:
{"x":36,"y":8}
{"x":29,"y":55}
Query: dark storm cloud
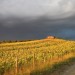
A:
{"x":35,"y":19}
{"x":40,"y":28}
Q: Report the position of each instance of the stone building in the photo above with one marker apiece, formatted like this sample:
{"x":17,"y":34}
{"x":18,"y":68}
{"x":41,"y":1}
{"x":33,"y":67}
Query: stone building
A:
{"x":50,"y":37}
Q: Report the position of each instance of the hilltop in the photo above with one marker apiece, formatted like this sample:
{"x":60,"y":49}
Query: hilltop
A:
{"x":34,"y":57}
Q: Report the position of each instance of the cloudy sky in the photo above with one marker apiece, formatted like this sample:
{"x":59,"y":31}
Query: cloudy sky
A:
{"x":35,"y":19}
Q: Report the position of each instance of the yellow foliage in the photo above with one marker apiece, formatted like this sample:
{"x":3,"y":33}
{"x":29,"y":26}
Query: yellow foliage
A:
{"x":34,"y":55}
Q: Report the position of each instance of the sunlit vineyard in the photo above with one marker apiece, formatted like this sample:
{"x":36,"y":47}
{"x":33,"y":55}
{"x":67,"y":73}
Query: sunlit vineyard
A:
{"x":24,"y":58}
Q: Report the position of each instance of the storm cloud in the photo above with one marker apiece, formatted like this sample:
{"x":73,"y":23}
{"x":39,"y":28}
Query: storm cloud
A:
{"x":50,"y":8}
{"x":35,"y":19}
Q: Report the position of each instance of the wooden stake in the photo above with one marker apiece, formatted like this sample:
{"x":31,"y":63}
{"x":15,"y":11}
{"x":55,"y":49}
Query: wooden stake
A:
{"x":44,"y":57}
{"x":16,"y":70}
{"x":33,"y":59}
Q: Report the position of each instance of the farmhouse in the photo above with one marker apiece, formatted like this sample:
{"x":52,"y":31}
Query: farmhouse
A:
{"x":50,"y":37}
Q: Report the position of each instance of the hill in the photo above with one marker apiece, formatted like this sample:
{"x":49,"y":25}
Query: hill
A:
{"x":34,"y":57}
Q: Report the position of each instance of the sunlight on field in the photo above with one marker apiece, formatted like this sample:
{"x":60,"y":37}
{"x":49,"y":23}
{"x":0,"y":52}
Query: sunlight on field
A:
{"x":24,"y":58}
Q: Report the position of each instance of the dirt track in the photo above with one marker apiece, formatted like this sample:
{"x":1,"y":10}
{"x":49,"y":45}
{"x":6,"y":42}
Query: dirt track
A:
{"x":70,"y":70}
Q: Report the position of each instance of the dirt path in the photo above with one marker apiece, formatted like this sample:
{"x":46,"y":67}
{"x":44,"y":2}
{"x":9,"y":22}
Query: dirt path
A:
{"x":70,"y":70}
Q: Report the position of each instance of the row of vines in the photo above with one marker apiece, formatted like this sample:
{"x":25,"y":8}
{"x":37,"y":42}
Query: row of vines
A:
{"x":25,"y":57}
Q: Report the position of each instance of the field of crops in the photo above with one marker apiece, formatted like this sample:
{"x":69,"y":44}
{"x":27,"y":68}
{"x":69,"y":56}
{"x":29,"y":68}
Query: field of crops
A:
{"x":24,"y":58}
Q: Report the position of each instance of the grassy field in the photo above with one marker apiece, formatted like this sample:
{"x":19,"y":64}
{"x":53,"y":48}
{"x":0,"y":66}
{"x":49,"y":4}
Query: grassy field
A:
{"x":34,"y":57}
